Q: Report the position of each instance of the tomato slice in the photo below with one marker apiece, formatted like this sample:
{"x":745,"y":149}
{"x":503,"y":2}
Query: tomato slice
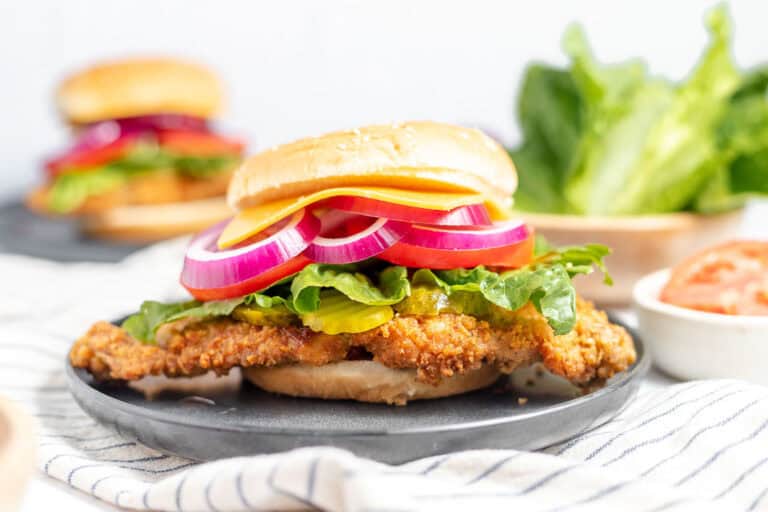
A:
{"x":510,"y":256}
{"x":466,"y":215}
{"x":198,"y":143}
{"x":256,"y":283}
{"x":90,"y":157}
{"x":731,"y":278}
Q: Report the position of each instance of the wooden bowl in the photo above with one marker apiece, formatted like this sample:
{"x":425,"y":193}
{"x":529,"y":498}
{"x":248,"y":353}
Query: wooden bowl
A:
{"x":640,"y":244}
{"x":17,"y":453}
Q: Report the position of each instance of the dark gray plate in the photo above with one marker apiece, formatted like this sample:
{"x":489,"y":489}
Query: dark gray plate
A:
{"x":254,"y":422}
{"x":23,"y":232}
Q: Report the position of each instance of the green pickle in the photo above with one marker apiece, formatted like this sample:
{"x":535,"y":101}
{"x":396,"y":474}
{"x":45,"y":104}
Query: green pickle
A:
{"x":431,"y":301}
{"x":338,"y":314}
{"x":276,"y":315}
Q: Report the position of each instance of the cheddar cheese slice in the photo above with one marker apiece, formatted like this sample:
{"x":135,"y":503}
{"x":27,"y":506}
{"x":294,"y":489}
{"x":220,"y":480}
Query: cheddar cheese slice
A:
{"x":251,"y":221}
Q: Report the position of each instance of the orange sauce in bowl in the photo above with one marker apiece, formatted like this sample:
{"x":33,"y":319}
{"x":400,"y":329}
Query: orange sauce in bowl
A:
{"x":730,"y":279}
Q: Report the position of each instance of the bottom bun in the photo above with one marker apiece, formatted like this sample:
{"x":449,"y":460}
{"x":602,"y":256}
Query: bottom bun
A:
{"x":149,"y":223}
{"x":201,"y":386}
{"x":364,"y":381}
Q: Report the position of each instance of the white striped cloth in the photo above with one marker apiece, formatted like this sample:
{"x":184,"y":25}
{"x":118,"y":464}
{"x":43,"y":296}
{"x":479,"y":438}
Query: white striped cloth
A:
{"x":694,"y":446}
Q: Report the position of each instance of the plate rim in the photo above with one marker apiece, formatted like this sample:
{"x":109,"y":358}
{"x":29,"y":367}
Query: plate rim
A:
{"x":637,"y":370}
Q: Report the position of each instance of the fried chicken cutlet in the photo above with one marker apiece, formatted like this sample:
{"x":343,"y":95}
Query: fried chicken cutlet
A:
{"x":437,"y":347}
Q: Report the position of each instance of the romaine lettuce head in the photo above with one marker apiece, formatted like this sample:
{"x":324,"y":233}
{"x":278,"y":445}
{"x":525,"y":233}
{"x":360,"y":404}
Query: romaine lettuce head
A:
{"x":743,"y":138}
{"x":615,"y":140}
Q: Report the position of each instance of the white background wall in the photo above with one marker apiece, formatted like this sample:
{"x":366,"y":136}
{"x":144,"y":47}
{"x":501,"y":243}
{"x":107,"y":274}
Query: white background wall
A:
{"x":300,"y":67}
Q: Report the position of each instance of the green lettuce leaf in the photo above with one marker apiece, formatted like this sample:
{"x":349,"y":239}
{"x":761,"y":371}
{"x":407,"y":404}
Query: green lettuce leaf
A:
{"x":618,"y":141}
{"x":72,"y":188}
{"x":393,"y":286}
{"x":743,"y":138}
{"x":549,"y":287}
{"x":546,"y":283}
{"x":550,"y":109}
{"x":578,"y":259}
{"x":541,"y":246}
{"x":653,"y":144}
{"x":202,"y":167}
{"x":151,"y":315}
{"x":144,"y":324}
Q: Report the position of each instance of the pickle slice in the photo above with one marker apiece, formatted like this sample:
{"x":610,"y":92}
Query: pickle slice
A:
{"x":338,"y":314}
{"x":277,"y":315}
{"x":431,"y":301}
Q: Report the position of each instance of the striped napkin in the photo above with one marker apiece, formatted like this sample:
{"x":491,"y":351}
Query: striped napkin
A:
{"x":693,"y":446}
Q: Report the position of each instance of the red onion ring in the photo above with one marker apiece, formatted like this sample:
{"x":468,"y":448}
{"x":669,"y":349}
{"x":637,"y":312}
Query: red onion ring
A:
{"x":374,"y":239}
{"x":207,"y":267}
{"x":498,"y":235}
{"x":102,"y":133}
{"x":156,"y":122}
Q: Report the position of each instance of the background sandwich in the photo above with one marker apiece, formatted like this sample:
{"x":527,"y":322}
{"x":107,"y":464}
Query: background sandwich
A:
{"x":145,"y":162}
{"x":378,"y":264}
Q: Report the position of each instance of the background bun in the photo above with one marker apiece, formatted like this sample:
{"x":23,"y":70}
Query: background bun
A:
{"x":417,"y":155}
{"x":365,"y":381}
{"x":153,"y":222}
{"x":135,"y":87}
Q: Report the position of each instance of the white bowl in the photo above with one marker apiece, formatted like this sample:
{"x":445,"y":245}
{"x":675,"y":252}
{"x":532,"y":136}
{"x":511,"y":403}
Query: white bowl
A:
{"x":691,"y":344}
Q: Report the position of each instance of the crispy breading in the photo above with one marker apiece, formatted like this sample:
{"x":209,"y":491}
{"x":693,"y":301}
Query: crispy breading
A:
{"x":436,"y":346}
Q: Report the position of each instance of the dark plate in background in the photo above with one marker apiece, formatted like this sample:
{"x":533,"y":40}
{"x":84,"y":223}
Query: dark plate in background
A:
{"x":252,"y":421}
{"x":23,"y":232}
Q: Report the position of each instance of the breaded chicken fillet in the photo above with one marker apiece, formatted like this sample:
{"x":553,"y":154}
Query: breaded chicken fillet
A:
{"x":436,"y":347}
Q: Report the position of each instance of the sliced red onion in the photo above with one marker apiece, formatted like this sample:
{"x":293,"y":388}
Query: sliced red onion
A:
{"x":374,"y":239}
{"x":102,"y":133}
{"x":498,"y":235}
{"x":156,"y":122}
{"x":205,"y":266}
{"x":334,"y":221}
{"x":469,"y":215}
{"x":97,"y":135}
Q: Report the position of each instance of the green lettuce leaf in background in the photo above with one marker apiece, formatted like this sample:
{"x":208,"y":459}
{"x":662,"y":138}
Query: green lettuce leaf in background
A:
{"x":550,"y":110}
{"x":743,"y":138}
{"x":614,"y":140}
{"x":71,"y":189}
{"x":202,"y":166}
